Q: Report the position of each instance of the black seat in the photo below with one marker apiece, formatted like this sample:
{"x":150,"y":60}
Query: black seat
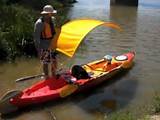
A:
{"x":79,"y":72}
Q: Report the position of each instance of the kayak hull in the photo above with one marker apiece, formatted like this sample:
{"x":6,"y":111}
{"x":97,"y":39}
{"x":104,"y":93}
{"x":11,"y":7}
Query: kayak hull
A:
{"x":65,"y":85}
{"x":98,"y":81}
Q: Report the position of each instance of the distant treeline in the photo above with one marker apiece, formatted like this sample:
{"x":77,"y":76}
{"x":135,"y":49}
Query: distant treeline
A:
{"x":17,"y":23}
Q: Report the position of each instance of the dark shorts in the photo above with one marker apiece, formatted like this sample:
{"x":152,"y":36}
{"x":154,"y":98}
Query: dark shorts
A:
{"x":47,"y":56}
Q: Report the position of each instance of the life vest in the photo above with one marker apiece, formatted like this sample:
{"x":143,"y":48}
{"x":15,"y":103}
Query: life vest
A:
{"x":48,"y":31}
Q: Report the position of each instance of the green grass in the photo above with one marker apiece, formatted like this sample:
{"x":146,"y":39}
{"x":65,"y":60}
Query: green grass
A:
{"x":156,"y":105}
{"x":126,"y":115}
{"x":121,"y":116}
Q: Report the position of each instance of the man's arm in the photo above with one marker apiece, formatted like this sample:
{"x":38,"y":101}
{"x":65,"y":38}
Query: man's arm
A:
{"x":37,"y":33}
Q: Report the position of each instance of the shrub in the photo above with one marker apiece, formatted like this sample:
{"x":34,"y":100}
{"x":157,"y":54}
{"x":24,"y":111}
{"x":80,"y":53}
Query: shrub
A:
{"x":16,"y":30}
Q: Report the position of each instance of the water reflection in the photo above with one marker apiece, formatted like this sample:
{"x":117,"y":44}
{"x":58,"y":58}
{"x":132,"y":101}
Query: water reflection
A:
{"x":113,"y":95}
{"x":127,"y":18}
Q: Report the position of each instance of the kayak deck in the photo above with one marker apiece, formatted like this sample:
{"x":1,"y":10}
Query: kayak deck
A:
{"x":44,"y":87}
{"x":54,"y":88}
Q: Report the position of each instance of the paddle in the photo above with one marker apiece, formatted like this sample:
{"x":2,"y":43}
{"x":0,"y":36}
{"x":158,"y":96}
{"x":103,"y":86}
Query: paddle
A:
{"x":32,"y":77}
{"x":35,"y":76}
{"x":29,"y":77}
{"x":61,"y":68}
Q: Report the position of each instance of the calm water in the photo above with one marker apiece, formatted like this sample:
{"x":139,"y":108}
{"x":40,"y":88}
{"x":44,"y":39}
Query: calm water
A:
{"x":132,"y":91}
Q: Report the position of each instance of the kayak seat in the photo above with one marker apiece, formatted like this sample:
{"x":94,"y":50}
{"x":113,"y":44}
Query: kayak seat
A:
{"x":79,"y":72}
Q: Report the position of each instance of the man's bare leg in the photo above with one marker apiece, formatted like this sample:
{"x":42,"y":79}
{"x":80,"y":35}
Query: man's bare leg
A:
{"x":45,"y":70}
{"x":54,"y":67}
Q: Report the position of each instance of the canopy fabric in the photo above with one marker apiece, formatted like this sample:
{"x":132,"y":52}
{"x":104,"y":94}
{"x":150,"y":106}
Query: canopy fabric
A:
{"x":72,"y":33}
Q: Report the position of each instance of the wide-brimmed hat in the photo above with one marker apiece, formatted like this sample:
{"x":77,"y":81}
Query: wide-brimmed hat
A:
{"x":48,"y":9}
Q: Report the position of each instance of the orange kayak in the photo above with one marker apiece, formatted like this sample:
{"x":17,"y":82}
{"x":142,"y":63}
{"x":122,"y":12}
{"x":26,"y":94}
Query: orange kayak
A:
{"x":79,"y":78}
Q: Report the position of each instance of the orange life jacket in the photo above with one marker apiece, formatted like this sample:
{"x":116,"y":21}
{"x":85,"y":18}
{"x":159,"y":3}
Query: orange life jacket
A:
{"x":48,"y":31}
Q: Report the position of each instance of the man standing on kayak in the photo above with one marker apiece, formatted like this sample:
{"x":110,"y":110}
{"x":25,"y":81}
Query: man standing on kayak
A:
{"x":44,"y":32}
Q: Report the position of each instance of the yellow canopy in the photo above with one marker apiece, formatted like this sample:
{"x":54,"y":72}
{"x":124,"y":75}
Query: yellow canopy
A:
{"x":72,"y":33}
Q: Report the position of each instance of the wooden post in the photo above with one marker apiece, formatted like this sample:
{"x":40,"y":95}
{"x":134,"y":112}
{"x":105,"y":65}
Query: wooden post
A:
{"x":124,"y":2}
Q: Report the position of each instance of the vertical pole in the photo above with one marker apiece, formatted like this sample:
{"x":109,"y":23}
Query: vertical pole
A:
{"x":124,"y":2}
